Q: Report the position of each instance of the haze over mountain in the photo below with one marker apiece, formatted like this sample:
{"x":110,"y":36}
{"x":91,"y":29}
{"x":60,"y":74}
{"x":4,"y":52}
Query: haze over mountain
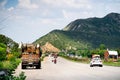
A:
{"x":86,"y":33}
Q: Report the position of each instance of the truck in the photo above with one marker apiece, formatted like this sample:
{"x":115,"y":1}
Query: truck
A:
{"x":30,"y":56}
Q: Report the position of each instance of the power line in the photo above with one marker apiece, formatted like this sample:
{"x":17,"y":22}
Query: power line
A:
{"x":5,"y":18}
{"x":1,"y":21}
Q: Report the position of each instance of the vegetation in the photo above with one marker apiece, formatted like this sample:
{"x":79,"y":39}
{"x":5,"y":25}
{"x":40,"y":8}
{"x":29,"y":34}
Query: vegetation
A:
{"x":86,"y":34}
{"x":11,"y":77}
{"x":84,"y":56}
{"x":9,"y":58}
{"x":62,"y":40}
{"x":111,"y":63}
{"x":85,"y":37}
{"x":2,"y":52}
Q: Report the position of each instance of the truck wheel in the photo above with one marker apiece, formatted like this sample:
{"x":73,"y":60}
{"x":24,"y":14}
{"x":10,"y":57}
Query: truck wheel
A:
{"x":23,"y":67}
{"x":91,"y":65}
{"x":39,"y":65}
{"x":101,"y":65}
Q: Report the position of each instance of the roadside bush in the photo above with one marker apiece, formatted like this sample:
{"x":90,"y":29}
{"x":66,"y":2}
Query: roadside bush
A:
{"x":85,"y":59}
{"x":16,"y":54}
{"x":11,"y":57}
{"x":2,"y":45}
{"x":11,"y":65}
{"x":61,"y":54}
{"x":7,"y":65}
{"x":11,"y":77}
{"x":1,"y":65}
{"x":2,"y":54}
{"x":20,"y":77}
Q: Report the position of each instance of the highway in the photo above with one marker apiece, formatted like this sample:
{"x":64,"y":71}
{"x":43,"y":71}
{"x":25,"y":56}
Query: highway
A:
{"x":67,"y":70}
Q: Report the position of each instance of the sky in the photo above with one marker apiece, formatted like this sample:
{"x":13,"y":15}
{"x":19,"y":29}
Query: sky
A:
{"x":27,"y":20}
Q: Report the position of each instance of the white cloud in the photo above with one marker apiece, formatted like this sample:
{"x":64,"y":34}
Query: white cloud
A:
{"x":69,"y":3}
{"x":76,"y":14}
{"x":11,"y":8}
{"x":27,"y":4}
{"x":38,"y":17}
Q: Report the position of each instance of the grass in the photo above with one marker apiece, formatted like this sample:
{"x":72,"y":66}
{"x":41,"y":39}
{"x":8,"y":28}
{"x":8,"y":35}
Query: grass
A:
{"x":111,"y":63}
{"x":11,"y":65}
{"x":117,"y":64}
{"x":82,"y":60}
{"x":87,"y":60}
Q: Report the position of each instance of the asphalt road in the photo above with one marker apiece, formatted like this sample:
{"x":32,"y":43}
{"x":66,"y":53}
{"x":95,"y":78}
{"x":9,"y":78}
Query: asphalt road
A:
{"x":67,"y":70}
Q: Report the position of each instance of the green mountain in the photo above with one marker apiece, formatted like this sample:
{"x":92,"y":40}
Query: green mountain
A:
{"x":86,"y":33}
{"x":62,"y":40}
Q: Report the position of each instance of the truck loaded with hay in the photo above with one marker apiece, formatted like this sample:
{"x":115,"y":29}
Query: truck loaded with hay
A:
{"x":30,"y":56}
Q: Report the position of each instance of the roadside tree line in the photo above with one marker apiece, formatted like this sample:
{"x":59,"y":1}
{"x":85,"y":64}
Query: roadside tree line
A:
{"x":9,"y":62}
{"x":84,"y":55}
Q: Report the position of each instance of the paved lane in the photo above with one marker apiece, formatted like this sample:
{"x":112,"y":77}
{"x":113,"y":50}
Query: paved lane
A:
{"x":66,"y":70}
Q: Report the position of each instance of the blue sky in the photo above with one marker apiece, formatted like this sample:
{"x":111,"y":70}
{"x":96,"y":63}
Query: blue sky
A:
{"x":27,"y":20}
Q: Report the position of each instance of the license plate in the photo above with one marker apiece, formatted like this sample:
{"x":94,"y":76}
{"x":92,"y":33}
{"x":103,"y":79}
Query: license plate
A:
{"x":30,"y":63}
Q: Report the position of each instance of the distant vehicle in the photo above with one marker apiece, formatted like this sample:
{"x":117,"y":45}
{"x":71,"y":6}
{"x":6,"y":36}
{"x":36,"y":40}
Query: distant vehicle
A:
{"x":31,"y":56}
{"x":95,"y":56}
{"x":96,"y":62}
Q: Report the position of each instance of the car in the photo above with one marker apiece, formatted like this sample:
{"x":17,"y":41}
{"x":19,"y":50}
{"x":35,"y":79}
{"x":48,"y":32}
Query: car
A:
{"x":96,"y":62}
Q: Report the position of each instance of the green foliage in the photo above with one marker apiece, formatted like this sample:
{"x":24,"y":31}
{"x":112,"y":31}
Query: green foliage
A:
{"x":9,"y":61}
{"x":8,"y":42}
{"x":1,"y":65}
{"x":62,"y":40}
{"x":2,"y":53}
{"x":11,"y":77}
{"x":61,"y":53}
{"x":83,"y":59}
{"x":20,"y":77}
{"x":111,"y":63}
{"x":2,"y":45}
{"x":98,"y":51}
{"x":15,"y":47}
{"x":118,"y":50}
{"x":102,"y":47}
{"x":4,"y":39}
{"x":71,"y":52}
{"x":16,"y":54}
{"x":11,"y":65}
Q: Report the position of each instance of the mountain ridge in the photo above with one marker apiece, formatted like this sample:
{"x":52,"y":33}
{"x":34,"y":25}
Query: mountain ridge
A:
{"x":87,"y":33}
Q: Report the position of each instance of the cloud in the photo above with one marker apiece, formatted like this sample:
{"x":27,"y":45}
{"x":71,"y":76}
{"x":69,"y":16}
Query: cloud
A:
{"x":38,"y":17}
{"x":11,"y":8}
{"x":69,"y":4}
{"x":76,"y":14}
{"x":27,"y":4}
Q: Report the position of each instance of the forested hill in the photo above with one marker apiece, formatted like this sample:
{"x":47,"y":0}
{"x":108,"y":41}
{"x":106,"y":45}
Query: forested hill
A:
{"x":7,"y":41}
{"x":87,"y":33}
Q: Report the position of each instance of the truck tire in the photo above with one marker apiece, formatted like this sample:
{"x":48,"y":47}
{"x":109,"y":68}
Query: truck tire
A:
{"x":23,"y":67}
{"x":91,"y":65}
{"x":39,"y":65}
{"x":101,"y":65}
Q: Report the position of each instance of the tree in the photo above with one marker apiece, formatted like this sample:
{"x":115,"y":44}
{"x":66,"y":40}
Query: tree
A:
{"x":2,"y":52}
{"x":102,"y":47}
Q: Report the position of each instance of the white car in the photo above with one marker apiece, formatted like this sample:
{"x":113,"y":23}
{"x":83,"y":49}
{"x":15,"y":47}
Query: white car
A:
{"x":96,"y":62}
